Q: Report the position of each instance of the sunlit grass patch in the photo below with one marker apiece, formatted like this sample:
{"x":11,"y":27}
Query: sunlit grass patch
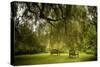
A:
{"x":45,"y":58}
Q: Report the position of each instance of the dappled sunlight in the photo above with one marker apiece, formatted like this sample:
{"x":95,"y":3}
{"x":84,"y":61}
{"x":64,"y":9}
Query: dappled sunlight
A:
{"x":53,"y":33}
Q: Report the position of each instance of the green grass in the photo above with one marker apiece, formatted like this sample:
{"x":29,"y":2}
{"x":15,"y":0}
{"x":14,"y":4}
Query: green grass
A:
{"x":45,"y":58}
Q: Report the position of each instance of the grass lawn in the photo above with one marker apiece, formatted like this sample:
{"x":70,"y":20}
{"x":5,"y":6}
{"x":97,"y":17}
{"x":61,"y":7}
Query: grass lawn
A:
{"x":46,"y":58}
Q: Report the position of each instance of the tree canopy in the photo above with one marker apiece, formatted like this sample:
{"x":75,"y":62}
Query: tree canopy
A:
{"x":40,"y":27}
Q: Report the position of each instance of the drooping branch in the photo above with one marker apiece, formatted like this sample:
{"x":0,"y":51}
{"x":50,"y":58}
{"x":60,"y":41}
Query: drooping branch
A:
{"x":49,"y":19}
{"x":41,"y":12}
{"x":61,"y":10}
{"x":50,"y":23}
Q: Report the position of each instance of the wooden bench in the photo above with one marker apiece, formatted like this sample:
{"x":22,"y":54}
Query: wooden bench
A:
{"x":55,"y":51}
{"x":73,"y":53}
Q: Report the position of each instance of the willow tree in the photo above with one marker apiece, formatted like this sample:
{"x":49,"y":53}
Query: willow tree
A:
{"x":57,"y":24}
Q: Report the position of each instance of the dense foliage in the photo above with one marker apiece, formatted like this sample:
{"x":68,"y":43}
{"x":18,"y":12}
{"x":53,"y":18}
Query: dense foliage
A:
{"x":41,"y":27}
